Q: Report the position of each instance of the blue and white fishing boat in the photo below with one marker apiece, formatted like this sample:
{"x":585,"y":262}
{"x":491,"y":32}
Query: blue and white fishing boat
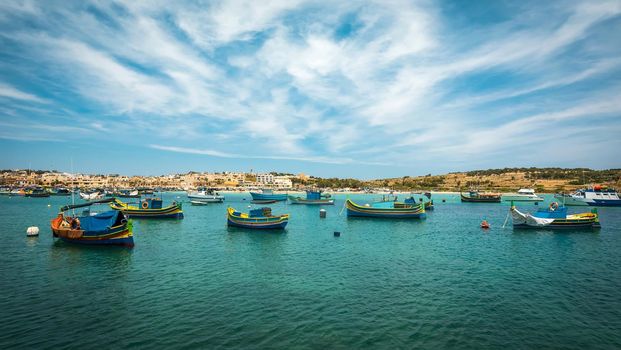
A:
{"x":597,"y":196}
{"x":261,"y":219}
{"x":390,"y":210}
{"x":267,"y":194}
{"x":312,"y":198}
{"x":554,"y":218}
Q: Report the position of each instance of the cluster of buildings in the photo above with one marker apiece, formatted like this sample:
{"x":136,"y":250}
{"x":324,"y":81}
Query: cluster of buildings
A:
{"x":191,"y":180}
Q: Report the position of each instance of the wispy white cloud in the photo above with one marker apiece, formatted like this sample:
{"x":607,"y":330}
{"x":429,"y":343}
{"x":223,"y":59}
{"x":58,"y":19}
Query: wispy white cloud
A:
{"x":13,"y":93}
{"x":313,"y":81}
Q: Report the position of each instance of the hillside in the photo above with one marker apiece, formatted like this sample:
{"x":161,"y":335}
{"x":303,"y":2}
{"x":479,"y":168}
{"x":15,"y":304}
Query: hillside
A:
{"x":508,"y":179}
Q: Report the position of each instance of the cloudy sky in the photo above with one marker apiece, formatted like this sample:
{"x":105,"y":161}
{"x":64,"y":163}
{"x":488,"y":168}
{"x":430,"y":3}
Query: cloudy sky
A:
{"x":351,"y":89}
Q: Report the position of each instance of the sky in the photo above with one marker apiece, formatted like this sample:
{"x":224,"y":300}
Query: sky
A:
{"x":363,"y":89}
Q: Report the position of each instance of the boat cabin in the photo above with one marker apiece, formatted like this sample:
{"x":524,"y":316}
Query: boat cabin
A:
{"x":151,"y":203}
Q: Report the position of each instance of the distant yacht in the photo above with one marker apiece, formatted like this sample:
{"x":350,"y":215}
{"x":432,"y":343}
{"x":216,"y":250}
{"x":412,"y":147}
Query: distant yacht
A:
{"x":523,"y":195}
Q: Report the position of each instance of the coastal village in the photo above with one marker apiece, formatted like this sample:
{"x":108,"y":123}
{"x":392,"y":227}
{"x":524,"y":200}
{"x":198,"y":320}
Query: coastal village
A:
{"x":545,"y":180}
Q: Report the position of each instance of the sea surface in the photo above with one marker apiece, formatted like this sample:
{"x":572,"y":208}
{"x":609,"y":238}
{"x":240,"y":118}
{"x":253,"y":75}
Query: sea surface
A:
{"x":194,"y":283}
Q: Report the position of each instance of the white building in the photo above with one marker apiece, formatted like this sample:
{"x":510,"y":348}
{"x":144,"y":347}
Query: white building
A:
{"x":266,"y":179}
{"x":282,"y":182}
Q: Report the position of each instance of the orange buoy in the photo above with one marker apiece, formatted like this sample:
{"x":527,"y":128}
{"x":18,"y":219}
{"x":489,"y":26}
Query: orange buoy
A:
{"x":484,"y":224}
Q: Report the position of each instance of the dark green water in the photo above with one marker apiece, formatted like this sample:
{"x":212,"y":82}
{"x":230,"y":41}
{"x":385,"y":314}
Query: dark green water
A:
{"x":194,"y":283}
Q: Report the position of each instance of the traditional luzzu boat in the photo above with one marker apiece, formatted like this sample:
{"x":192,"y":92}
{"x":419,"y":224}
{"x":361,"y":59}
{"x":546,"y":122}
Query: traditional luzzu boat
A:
{"x":107,"y":228}
{"x":554,"y":218}
{"x":38,"y":192}
{"x":261,"y":218}
{"x":267,"y":194}
{"x":428,"y":205}
{"x":312,"y":198}
{"x":150,"y":208}
{"x":393,"y":210}
{"x":478,"y":197}
{"x":128,"y":194}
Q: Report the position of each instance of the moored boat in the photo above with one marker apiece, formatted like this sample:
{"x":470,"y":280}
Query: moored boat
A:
{"x":150,"y":208}
{"x":596,"y":196}
{"x":206,"y":195}
{"x":553,"y":218}
{"x":570,"y":200}
{"x":60,"y":191}
{"x":127,"y":194}
{"x":37,"y":192}
{"x":396,"y":210}
{"x":428,"y":204}
{"x":264,"y":201}
{"x":478,"y":197}
{"x":267,"y":194}
{"x":90,"y":196}
{"x":261,"y":218}
{"x":312,"y":198}
{"x":523,"y":195}
{"x":107,"y":228}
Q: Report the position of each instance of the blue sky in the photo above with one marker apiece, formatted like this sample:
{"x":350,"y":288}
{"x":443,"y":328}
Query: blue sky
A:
{"x":360,"y":89}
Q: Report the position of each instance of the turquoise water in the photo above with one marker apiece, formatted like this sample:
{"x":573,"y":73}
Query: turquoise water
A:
{"x":438,"y":283}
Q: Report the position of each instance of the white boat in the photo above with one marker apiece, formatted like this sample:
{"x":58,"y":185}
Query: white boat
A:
{"x":205,"y":196}
{"x":596,"y":197}
{"x":91,"y":196}
{"x":523,"y":195}
{"x":570,"y":199}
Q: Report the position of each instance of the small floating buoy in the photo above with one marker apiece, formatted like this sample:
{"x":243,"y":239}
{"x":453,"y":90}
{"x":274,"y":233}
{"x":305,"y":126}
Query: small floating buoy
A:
{"x":337,"y":234}
{"x":484,"y":224}
{"x":32,"y":231}
{"x":49,"y":205}
{"x":536,"y":203}
{"x":444,"y":201}
{"x":322,"y":213}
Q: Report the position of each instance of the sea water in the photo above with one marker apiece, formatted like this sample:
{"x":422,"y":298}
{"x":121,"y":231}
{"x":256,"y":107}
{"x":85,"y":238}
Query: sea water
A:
{"x":442,"y":282}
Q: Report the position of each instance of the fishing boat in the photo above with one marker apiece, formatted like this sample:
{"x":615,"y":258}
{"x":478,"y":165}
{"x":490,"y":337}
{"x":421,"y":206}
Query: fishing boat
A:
{"x":37,"y":192}
{"x":312,"y":198}
{"x":207,"y":195}
{"x":127,"y":194}
{"x":18,"y":192}
{"x":198,"y":203}
{"x":554,"y":217}
{"x":478,"y":197}
{"x":91,"y":196}
{"x":428,"y":205}
{"x":396,"y":210}
{"x":107,"y":228}
{"x":60,"y":191}
{"x":267,"y":194}
{"x":596,"y":196}
{"x":264,"y":201}
{"x":5,"y":191}
{"x":261,"y":218}
{"x":523,"y":195}
{"x":150,"y":208}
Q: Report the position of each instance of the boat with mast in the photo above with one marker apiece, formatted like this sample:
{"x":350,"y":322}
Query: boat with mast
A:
{"x":555,"y":217}
{"x":107,"y":228}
